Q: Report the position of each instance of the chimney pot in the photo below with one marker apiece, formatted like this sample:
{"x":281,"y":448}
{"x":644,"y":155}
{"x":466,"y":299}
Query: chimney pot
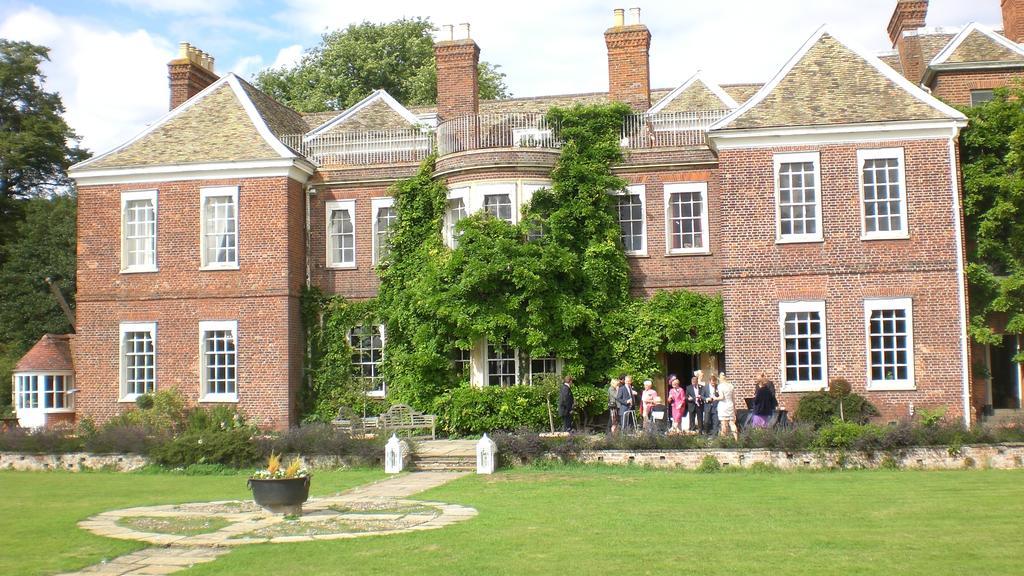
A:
{"x":634,"y":16}
{"x":457,"y":84}
{"x":447,"y":32}
{"x":464,"y":31}
{"x":183,"y":49}
{"x":189,"y":74}
{"x":619,"y":18}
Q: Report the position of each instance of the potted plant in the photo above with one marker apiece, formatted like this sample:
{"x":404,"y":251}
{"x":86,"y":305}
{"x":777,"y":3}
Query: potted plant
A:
{"x":281,"y":490}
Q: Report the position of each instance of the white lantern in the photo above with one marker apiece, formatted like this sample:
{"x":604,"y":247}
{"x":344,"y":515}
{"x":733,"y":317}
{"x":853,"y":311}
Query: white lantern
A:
{"x":486,"y":452}
{"x":394,"y":455}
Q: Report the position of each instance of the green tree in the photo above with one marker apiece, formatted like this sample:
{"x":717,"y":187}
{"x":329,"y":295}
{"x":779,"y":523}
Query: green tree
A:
{"x":992,"y":156}
{"x":349,"y":64}
{"x":36,"y":145}
{"x":43,"y":247}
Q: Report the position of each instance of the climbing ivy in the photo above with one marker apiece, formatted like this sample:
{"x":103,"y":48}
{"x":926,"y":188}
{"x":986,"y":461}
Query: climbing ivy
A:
{"x":555,"y":284}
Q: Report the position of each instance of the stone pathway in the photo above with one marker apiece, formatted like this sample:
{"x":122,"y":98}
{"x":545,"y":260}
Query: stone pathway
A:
{"x":375,"y":509}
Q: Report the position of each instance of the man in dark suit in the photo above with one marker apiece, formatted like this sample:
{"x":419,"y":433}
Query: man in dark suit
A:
{"x":566,"y":403}
{"x":695,"y":395}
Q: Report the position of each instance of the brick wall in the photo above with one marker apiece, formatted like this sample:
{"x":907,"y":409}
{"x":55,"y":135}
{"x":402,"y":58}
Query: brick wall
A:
{"x":262,"y":295}
{"x":955,"y":86}
{"x":629,"y":69}
{"x":843,"y":270}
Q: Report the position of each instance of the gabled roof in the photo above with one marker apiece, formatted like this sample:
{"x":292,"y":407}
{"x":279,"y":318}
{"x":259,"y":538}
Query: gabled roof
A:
{"x":829,"y":83}
{"x":741,"y":92}
{"x":228,"y":121}
{"x":52,"y":353}
{"x":696,"y":93}
{"x":978,"y":44}
{"x":378,"y":111}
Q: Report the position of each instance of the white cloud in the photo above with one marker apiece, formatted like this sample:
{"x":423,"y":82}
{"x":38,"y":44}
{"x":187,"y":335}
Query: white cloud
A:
{"x":288,"y":56}
{"x":112,"y":83}
{"x":556,"y":47}
{"x":246,"y":66}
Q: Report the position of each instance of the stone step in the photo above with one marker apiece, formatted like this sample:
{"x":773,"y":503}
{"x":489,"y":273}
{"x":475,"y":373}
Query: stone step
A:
{"x":1005,"y":416}
{"x":445,"y":463}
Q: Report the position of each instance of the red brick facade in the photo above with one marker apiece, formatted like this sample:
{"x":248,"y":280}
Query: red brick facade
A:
{"x":955,"y":86}
{"x":262,"y":295}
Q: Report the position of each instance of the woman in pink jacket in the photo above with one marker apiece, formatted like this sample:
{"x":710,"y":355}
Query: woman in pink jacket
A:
{"x":677,"y":398}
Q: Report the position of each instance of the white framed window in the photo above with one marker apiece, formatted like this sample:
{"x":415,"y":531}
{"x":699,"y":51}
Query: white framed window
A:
{"x":686,"y":218}
{"x":883,"y":193}
{"x":458,"y":208}
{"x":536,"y":228}
{"x":798,"y":197}
{"x":889,"y":327}
{"x":138,"y":231}
{"x":541,"y":366}
{"x":138,"y":359}
{"x":367,"y":343}
{"x":498,"y":200}
{"x":502,"y":365}
{"x":341,"y":234}
{"x":804,"y":350}
{"x":219,"y":235}
{"x":631,"y":212}
{"x":218,"y":350}
{"x":462,"y":362}
{"x":384,"y":216}
{"x":26,"y":391}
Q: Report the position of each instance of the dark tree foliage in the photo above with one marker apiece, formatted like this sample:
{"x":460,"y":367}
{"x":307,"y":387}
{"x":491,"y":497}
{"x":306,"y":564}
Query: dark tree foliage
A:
{"x":349,"y":64}
{"x":36,"y":145}
{"x":992,"y":156}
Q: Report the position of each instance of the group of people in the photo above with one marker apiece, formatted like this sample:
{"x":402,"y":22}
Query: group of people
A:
{"x":708,"y":405}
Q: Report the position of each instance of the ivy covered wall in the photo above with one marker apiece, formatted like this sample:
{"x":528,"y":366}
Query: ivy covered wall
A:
{"x":564,"y":293}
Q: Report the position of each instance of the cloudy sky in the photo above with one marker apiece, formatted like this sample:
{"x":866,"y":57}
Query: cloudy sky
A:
{"x":109,"y":56}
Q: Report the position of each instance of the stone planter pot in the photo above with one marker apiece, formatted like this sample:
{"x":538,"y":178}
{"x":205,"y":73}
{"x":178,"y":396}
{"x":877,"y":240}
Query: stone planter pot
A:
{"x":281,"y":495}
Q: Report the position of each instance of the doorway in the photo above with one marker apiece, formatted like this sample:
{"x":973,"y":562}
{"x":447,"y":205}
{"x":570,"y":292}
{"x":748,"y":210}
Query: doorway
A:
{"x":1006,"y":377}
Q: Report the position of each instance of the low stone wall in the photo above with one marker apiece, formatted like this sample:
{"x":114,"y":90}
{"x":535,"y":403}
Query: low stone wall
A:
{"x":1002,"y":456}
{"x":78,"y":461}
{"x":73,"y":462}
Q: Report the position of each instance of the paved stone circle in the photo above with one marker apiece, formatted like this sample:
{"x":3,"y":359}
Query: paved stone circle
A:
{"x":375,"y":509}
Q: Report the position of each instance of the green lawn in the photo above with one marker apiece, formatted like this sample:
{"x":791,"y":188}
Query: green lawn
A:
{"x":39,"y":510}
{"x":579,"y":520}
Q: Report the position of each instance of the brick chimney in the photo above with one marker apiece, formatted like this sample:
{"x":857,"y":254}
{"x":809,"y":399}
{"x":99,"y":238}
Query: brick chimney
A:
{"x":908,"y":16}
{"x":1013,"y":19}
{"x":629,"y":67}
{"x":457,"y":62}
{"x":189,"y":73}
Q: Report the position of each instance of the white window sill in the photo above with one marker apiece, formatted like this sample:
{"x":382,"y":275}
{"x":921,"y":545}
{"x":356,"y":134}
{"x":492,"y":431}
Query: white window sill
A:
{"x":139,"y":270}
{"x":215,"y":268}
{"x":376,"y":393}
{"x":891,"y":385}
{"x":130,"y":398}
{"x":342,"y":267}
{"x":639,"y":254}
{"x":895,"y":236}
{"x":800,"y":240}
{"x":804,"y":387}
{"x":222,"y":398}
{"x":57,"y":410}
{"x":696,"y":252}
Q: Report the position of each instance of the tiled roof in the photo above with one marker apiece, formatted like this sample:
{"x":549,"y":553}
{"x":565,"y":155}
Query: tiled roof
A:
{"x":314,"y":119}
{"x":222,"y":123}
{"x":979,"y":47}
{"x":696,"y":96}
{"x":51,"y":353}
{"x":741,"y":92}
{"x":279,"y":118}
{"x":892,"y":61}
{"x":932,"y":44}
{"x":829,"y":83}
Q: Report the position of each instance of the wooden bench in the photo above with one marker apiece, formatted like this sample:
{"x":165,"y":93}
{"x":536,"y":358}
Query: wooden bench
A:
{"x":403,"y":417}
{"x":354,"y":424}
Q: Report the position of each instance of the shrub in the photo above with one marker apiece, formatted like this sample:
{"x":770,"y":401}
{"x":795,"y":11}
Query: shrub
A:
{"x":232,"y":447}
{"x":323,"y":440}
{"x":42,"y":441}
{"x":469,"y":411}
{"x":709,"y":464}
{"x":821,"y":408}
{"x":117,"y":438}
{"x":790,"y":438}
{"x":523,"y":446}
{"x":839,"y":435}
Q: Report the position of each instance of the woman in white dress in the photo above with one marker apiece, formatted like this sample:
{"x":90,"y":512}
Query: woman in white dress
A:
{"x":726,"y":407}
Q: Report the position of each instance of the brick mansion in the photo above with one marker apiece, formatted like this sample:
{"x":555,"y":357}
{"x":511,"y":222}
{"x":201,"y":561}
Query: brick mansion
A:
{"x":823,"y":205}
